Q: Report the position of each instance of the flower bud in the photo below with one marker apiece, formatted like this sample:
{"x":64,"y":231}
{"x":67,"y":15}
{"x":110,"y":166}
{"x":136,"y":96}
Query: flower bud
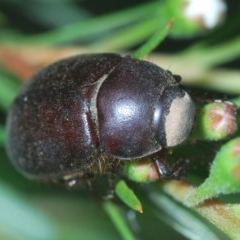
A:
{"x":141,"y":171}
{"x":208,"y":13}
{"x":216,"y":121}
{"x":194,"y":17}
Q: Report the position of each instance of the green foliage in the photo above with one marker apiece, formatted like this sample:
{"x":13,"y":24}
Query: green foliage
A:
{"x":115,"y":214}
{"x":224,"y":175}
{"x":206,"y":60}
{"x":154,"y":41}
{"x":9,"y":87}
{"x":20,"y":219}
{"x":127,"y":195}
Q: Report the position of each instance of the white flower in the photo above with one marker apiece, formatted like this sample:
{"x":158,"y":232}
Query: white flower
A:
{"x":209,"y":12}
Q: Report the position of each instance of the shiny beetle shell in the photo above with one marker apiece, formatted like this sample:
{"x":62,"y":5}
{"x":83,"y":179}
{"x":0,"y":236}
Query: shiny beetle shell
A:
{"x":79,"y":113}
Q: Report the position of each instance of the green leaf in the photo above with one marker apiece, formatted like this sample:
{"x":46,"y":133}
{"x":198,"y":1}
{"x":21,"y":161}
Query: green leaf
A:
{"x":180,"y":218}
{"x":224,"y":175}
{"x":127,"y":195}
{"x":88,"y":28}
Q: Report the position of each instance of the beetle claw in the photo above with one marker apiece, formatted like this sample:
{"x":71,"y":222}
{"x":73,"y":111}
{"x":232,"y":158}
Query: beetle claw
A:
{"x":177,"y":172}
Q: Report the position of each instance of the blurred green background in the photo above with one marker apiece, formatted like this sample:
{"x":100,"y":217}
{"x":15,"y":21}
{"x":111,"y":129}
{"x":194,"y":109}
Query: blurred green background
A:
{"x":30,"y":210}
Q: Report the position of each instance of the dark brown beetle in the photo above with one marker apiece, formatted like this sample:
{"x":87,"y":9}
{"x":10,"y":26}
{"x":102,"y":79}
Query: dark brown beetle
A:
{"x":79,"y":117}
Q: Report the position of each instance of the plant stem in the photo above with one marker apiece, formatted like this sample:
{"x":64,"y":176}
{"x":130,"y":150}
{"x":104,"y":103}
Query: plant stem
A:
{"x":214,"y":55}
{"x":2,"y":135}
{"x":117,"y":219}
{"x":154,"y":41}
{"x":226,"y":81}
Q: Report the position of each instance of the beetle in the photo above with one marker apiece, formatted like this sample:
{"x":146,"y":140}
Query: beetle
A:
{"x":83,"y":116}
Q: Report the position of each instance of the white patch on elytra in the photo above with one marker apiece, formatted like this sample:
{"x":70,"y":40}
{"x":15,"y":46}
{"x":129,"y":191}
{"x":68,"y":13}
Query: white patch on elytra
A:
{"x":179,"y":121}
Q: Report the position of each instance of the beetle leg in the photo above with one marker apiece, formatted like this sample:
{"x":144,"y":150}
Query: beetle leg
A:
{"x":163,"y":171}
{"x":177,"y":171}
